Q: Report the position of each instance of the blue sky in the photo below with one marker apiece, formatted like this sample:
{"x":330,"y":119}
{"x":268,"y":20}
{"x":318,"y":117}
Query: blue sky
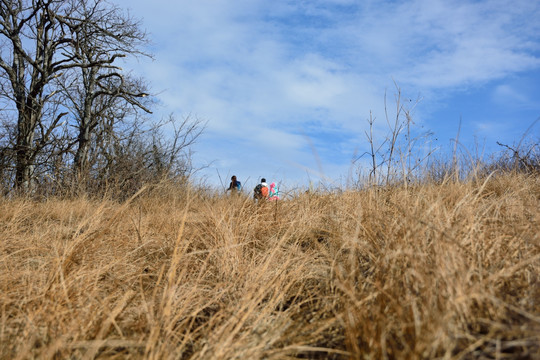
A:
{"x":286,"y":87}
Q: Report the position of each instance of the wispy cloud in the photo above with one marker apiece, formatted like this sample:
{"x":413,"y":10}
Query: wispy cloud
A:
{"x":510,"y":96}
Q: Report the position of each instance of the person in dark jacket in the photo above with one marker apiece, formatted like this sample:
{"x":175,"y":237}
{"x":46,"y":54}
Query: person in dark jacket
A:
{"x":235,"y":186}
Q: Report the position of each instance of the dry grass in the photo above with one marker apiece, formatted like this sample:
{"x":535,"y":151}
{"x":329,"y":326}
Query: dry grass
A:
{"x":434,"y":271}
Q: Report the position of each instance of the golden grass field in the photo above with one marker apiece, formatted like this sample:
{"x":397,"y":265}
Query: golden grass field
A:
{"x":448,"y":271}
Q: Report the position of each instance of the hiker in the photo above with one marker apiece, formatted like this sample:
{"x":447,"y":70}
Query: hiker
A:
{"x":235,"y":186}
{"x":274,"y":192}
{"x":261,"y":190}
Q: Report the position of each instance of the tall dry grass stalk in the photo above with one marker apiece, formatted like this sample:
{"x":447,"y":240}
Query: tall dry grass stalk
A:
{"x":434,"y":271}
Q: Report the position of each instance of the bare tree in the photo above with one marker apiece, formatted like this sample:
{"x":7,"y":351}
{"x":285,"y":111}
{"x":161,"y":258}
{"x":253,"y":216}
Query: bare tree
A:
{"x":106,"y":34}
{"x":31,"y":38}
{"x":42,"y":43}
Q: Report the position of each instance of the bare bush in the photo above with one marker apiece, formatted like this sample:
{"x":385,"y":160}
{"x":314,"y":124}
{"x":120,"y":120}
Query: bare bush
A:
{"x":402,"y":155}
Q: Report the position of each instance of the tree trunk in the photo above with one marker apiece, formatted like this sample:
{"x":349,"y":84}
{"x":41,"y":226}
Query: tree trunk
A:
{"x":81,"y":156}
{"x":25,"y":151}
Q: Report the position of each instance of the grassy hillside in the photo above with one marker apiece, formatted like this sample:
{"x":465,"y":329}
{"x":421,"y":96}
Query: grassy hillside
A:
{"x":431,"y":271}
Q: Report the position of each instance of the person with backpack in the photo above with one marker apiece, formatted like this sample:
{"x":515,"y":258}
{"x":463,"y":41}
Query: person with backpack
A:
{"x":235,"y":186}
{"x":261,"y":191}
